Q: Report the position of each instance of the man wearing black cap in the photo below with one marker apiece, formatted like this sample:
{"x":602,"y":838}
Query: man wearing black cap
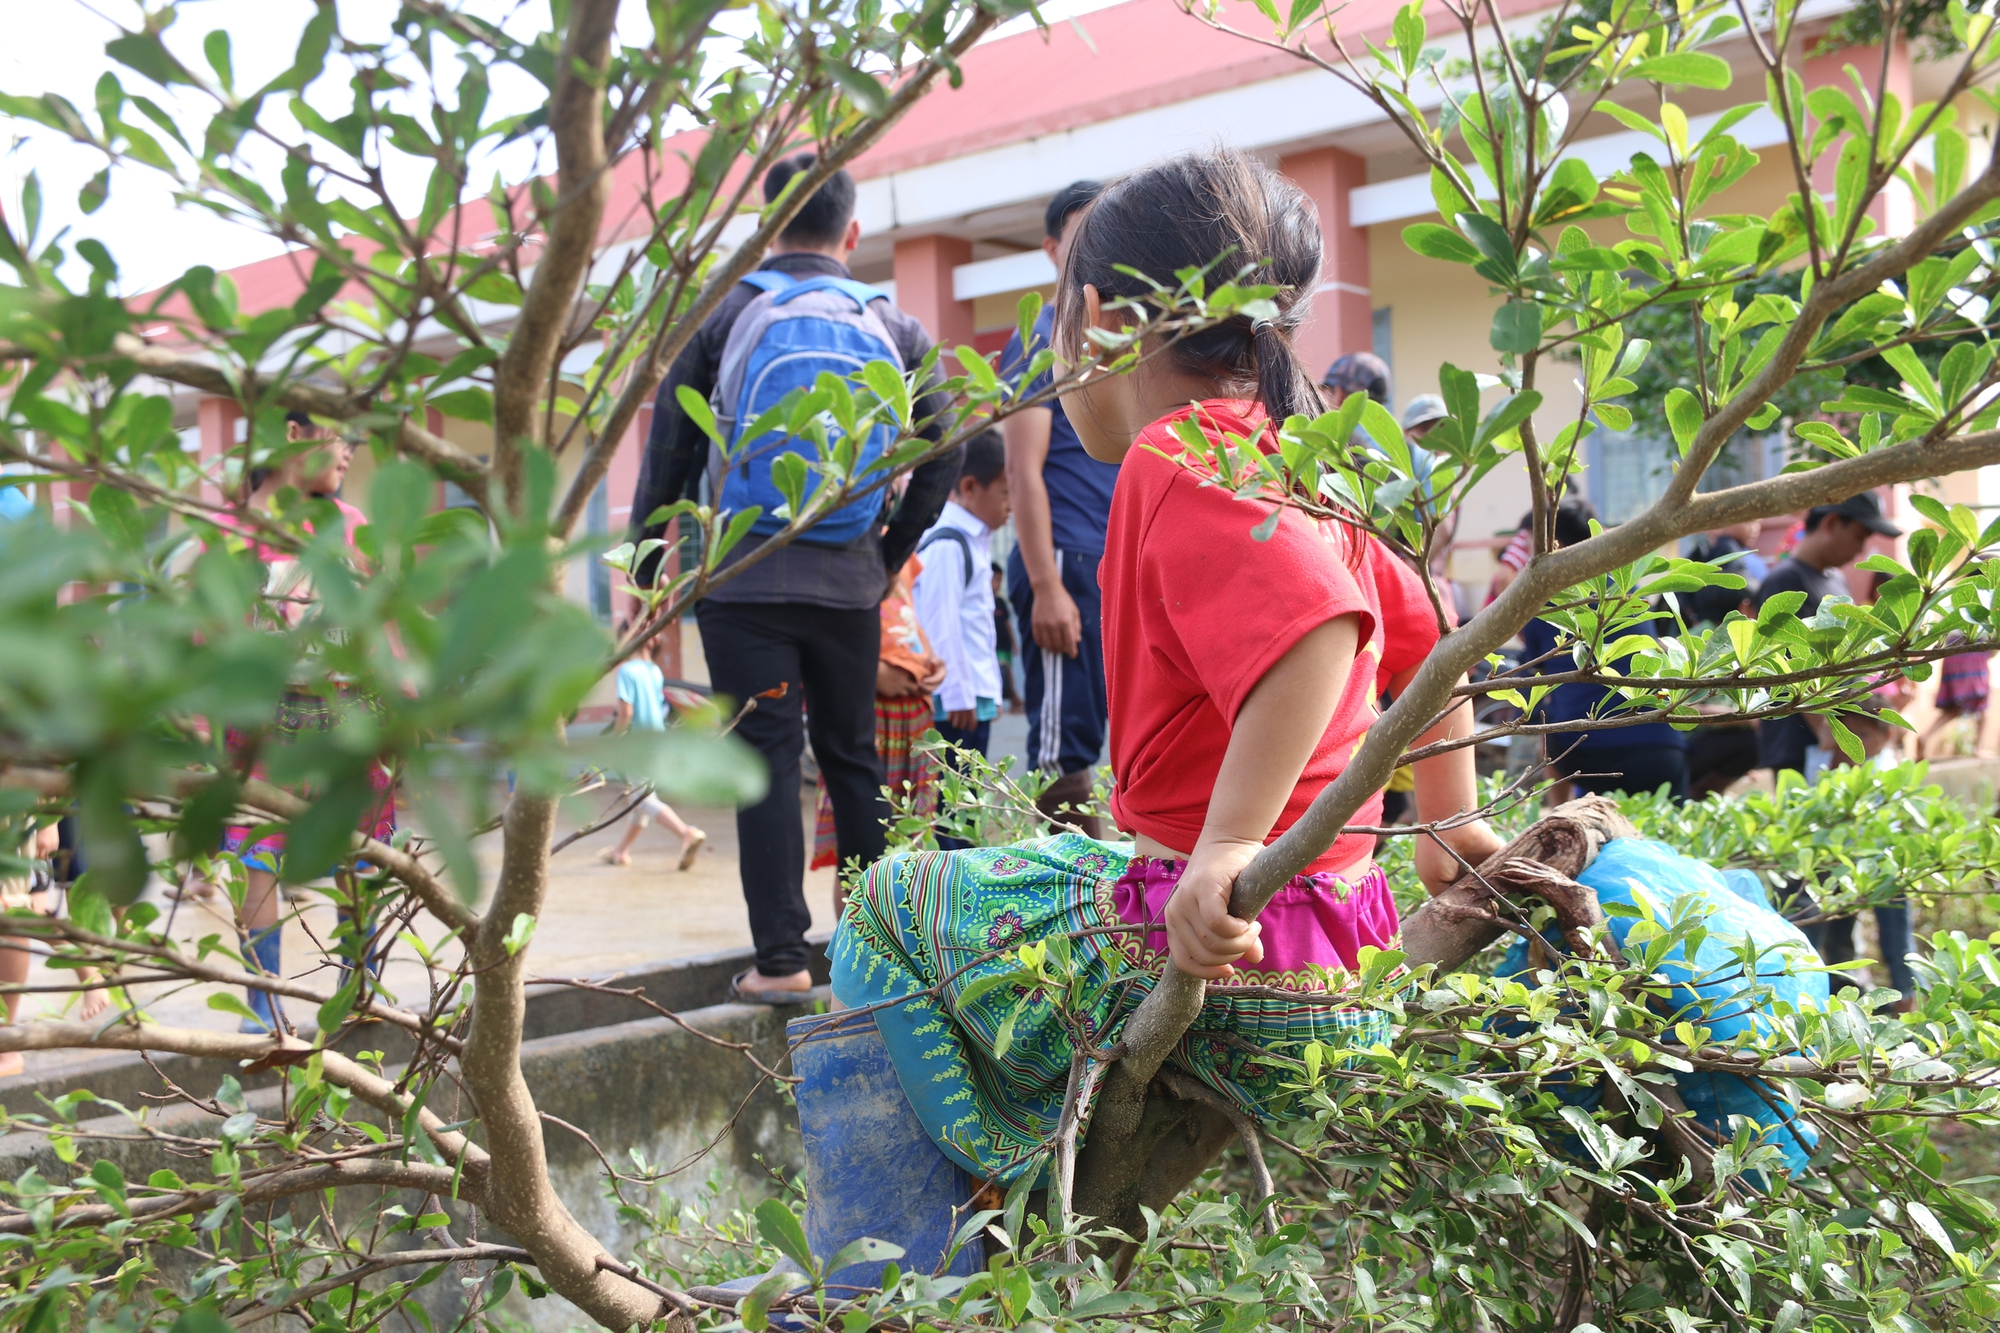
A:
{"x":1357,"y":372}
{"x":1835,"y":537}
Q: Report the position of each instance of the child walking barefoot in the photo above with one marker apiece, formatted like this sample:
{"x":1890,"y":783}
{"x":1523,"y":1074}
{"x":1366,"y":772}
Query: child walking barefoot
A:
{"x":1242,"y":675}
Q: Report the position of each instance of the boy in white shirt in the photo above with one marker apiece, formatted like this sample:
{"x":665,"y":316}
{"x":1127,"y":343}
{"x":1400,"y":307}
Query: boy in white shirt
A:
{"x":954,"y":594}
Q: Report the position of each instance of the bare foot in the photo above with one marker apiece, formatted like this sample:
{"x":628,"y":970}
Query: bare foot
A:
{"x":11,"y":1063}
{"x":195,"y":890}
{"x":95,"y":1002}
{"x":691,"y":847}
{"x":611,"y":856}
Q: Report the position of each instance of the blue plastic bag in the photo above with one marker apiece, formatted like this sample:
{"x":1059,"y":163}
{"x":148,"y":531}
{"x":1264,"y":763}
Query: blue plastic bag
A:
{"x":1639,"y":872}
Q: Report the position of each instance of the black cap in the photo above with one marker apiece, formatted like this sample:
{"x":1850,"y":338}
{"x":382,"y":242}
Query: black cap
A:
{"x":1360,"y":372}
{"x":1864,"y":509}
{"x":1069,"y":199}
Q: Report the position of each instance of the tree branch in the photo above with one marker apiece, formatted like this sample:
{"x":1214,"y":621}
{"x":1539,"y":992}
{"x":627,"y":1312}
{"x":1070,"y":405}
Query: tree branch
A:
{"x":301,"y":396}
{"x":519,"y":1197}
{"x":583,"y":188}
{"x":301,"y":1178}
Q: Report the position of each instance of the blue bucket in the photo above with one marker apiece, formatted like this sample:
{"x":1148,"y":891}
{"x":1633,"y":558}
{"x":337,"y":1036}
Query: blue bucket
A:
{"x":871,"y":1170}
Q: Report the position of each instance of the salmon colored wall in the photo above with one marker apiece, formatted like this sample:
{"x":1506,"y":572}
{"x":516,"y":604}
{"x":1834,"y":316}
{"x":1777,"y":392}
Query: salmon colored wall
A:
{"x":923,"y":286}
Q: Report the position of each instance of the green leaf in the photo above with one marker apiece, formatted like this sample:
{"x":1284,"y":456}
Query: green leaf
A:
{"x":1684,"y":417}
{"x":789,"y":473}
{"x":1491,"y":238}
{"x":780,"y":1228}
{"x":227,"y":1003}
{"x":1409,"y":33}
{"x":1692,"y":69}
{"x":94,"y":192}
{"x":1508,"y":415}
{"x":519,"y":934}
{"x":1450,"y":200}
{"x":1849,"y":743}
{"x":335,"y":1011}
{"x":216,"y":47}
{"x":889,"y":386}
{"x":201,"y":1319}
{"x":697,"y":410}
{"x":861,"y":88}
{"x":1433,"y":241}
{"x":466,"y":404}
{"x":145,"y":53}
{"x":867,"y":1250}
{"x":117,"y":516}
{"x":321,"y":838}
{"x":1517,"y":327}
{"x":309,"y":60}
{"x":754,"y":1309}
{"x":1927,"y":1223}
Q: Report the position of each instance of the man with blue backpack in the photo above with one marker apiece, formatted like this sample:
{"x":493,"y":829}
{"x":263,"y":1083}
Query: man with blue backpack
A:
{"x":804,"y":618}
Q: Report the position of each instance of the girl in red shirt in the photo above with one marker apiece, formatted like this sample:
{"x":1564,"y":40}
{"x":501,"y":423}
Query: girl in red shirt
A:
{"x":1242,"y":661}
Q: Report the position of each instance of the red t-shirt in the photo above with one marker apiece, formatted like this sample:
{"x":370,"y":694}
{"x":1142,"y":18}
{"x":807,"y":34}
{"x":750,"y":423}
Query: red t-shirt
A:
{"x":1196,"y":610}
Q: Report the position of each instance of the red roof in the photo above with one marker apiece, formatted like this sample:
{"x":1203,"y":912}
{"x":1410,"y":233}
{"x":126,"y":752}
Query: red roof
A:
{"x":1112,"y":62}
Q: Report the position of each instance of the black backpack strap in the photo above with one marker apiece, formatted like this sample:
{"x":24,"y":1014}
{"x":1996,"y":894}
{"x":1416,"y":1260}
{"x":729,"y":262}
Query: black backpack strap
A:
{"x":964,"y":544}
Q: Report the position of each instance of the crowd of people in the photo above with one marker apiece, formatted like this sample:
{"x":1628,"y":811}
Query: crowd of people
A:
{"x":913,"y":594}
{"x":1231,"y":675}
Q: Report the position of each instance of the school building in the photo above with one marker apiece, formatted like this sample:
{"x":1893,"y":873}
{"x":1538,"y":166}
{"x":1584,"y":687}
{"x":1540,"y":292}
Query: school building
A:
{"x":951,"y":203}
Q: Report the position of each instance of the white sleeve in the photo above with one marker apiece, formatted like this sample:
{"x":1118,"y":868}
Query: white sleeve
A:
{"x":939,"y":590}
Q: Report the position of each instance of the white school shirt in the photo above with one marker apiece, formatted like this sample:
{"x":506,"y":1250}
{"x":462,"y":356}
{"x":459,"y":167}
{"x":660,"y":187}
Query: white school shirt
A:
{"x":959,"y":619}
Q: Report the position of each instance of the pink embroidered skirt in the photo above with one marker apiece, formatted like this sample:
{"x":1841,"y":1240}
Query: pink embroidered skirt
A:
{"x":1314,"y":925}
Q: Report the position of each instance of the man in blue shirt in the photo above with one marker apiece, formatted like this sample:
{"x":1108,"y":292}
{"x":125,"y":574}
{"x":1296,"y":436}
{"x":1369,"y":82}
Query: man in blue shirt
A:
{"x":1634,"y":758}
{"x":1062,"y":501}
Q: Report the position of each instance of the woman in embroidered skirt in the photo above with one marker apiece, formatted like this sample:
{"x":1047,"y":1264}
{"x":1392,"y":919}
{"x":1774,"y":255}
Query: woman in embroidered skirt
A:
{"x":905,"y":678}
{"x":1243,"y":662}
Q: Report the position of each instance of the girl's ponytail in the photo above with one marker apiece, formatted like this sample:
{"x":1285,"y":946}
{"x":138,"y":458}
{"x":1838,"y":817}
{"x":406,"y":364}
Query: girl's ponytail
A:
{"x":1220,"y":211}
{"x":1282,"y":383}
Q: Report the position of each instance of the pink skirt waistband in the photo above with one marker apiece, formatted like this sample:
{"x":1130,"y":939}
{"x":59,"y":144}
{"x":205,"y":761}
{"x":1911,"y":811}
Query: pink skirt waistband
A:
{"x":1314,"y":925}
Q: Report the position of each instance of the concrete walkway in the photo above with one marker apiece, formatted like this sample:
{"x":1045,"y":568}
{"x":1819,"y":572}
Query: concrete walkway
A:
{"x":600,"y":919}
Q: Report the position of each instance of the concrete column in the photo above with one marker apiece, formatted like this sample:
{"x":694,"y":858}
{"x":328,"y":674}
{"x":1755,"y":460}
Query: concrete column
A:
{"x":1343,"y":314}
{"x":217,"y":418}
{"x":923,"y":286}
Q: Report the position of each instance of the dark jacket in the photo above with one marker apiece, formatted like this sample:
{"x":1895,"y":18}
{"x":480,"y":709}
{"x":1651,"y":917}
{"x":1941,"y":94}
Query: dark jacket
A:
{"x":850,"y":577}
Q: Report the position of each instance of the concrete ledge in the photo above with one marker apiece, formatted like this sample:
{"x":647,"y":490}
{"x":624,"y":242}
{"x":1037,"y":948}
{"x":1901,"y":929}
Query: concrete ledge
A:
{"x":1974,"y":781}
{"x":682,"y":984}
{"x":726,"y":1135}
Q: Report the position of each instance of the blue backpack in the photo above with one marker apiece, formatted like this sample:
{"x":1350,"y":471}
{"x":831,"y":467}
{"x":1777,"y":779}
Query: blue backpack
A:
{"x":791,"y":332}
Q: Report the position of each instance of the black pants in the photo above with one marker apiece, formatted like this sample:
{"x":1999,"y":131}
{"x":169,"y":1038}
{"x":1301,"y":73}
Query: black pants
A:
{"x":827,"y":659}
{"x":1631,"y":769}
{"x":975,"y":738}
{"x":1719,"y":754}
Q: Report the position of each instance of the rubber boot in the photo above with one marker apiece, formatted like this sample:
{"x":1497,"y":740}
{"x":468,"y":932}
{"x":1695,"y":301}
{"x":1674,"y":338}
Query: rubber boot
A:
{"x":265,"y":949}
{"x":1071,"y":789}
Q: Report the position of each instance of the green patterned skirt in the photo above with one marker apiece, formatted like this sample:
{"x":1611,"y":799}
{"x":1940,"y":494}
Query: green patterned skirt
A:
{"x":985,"y":1063}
